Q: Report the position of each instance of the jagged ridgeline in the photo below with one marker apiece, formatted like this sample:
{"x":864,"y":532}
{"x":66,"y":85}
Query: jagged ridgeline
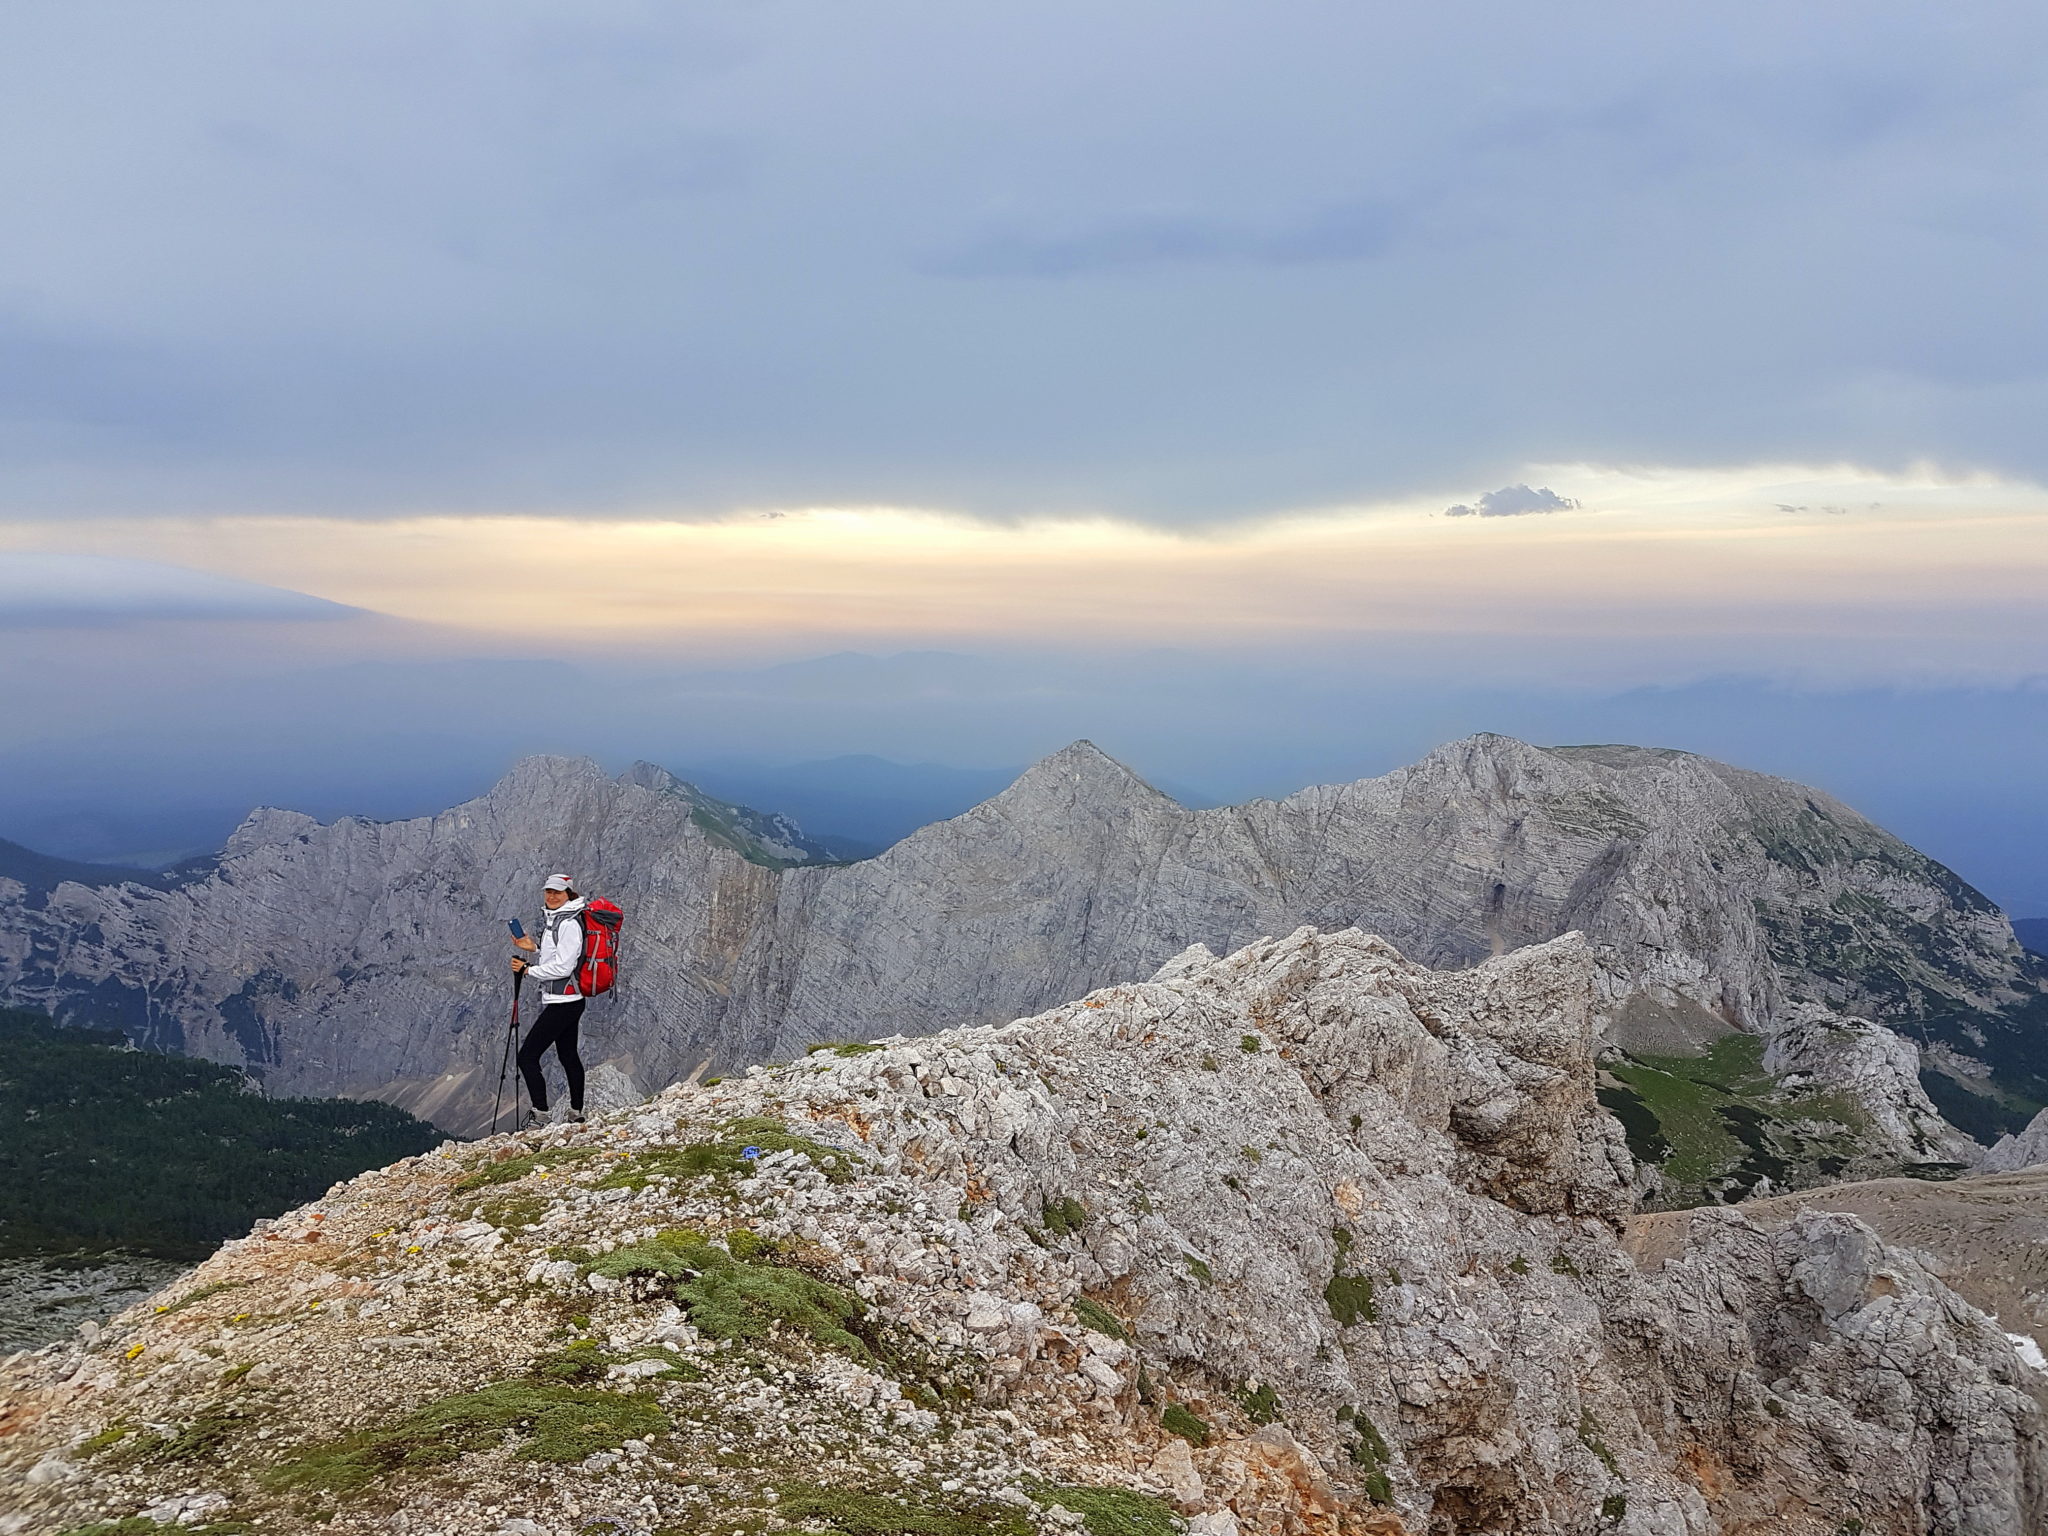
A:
{"x":1305,"y":1241}
{"x":366,"y":957}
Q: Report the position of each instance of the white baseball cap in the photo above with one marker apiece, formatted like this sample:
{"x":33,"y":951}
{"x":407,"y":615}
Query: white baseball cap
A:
{"x":559,"y":883}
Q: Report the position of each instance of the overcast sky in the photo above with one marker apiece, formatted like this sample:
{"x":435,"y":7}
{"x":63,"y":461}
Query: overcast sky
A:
{"x":1477,"y":351}
{"x":1155,"y":258}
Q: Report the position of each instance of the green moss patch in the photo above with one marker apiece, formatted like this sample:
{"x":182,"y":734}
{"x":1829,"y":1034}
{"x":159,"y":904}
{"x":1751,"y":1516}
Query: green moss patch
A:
{"x":1093,"y":1314}
{"x":509,"y":1213}
{"x":740,"y":1298}
{"x":139,"y":1525}
{"x":1109,"y":1511}
{"x":1349,"y":1297}
{"x":507,"y":1170}
{"x":1260,"y":1404}
{"x":1590,"y":1438}
{"x":668,"y":1254}
{"x":751,"y":1302}
{"x":106,"y":1439}
{"x":1177,"y":1420}
{"x":578,"y":1364}
{"x":1064,"y":1217}
{"x":1370,"y":1455}
{"x":898,"y":1513}
{"x":724,"y":1155}
{"x":212,"y":1430}
{"x":557,"y":1423}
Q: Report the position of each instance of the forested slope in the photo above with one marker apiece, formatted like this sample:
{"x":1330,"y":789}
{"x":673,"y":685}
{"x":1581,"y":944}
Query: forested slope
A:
{"x":105,"y":1148}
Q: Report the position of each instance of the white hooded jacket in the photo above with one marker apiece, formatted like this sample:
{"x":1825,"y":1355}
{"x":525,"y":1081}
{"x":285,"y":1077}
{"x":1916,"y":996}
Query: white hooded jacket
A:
{"x":560,"y":952}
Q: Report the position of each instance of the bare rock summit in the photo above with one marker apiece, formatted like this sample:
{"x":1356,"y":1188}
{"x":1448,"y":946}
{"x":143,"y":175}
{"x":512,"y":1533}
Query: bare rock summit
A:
{"x":1306,"y":1241}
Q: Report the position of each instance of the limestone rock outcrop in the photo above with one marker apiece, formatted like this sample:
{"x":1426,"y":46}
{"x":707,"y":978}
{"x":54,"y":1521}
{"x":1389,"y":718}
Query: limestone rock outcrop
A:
{"x":1815,"y":1049}
{"x":1306,"y":1241}
{"x":364,"y":958}
{"x":2025,"y":1148}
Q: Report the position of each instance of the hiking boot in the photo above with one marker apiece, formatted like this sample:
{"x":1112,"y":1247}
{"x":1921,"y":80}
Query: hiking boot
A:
{"x":537,"y":1118}
{"x":570,"y":1116}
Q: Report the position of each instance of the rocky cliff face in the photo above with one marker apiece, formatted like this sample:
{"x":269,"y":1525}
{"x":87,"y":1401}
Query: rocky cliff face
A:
{"x":1309,"y":1241}
{"x":363,"y":957}
{"x":2027,"y":1148}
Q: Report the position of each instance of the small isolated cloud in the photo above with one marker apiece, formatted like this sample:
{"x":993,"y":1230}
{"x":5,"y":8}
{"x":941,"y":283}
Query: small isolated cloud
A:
{"x":1514,"y":501}
{"x":50,"y":589}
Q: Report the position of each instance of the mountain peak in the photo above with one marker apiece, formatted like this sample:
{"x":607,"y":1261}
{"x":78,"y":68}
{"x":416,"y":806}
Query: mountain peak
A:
{"x":546,"y":770}
{"x":1087,"y":767}
{"x":646,"y":775}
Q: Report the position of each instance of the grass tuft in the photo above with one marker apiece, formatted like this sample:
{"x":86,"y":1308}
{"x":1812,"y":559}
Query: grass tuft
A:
{"x":1093,"y":1314}
{"x":1260,"y":1404}
{"x":1350,"y":1299}
{"x":142,"y":1525}
{"x":737,"y":1296}
{"x":1109,"y":1511}
{"x":1177,"y":1420}
{"x":215,"y":1426}
{"x":199,"y":1294}
{"x":560,"y":1423}
{"x":856,"y":1513}
{"x":724,"y":1156}
{"x":507,"y":1170}
{"x":1064,"y":1216}
{"x":1590,"y":1438}
{"x":106,"y":1439}
{"x":1369,"y":1453}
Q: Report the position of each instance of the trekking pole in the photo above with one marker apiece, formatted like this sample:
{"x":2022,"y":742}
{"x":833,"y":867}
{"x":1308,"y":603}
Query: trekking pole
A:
{"x":505,"y":1059}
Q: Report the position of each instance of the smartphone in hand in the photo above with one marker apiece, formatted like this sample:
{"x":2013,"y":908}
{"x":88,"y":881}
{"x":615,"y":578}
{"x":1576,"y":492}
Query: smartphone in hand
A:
{"x":518,"y":928}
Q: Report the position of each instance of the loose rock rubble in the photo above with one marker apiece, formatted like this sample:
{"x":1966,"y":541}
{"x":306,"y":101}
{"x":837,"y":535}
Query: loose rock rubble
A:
{"x":1308,"y":1241}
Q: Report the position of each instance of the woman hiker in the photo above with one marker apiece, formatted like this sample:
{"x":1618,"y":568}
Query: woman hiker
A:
{"x":556,"y":958}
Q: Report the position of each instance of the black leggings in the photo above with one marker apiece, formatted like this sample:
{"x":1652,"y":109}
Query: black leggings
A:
{"x":556,"y":1027}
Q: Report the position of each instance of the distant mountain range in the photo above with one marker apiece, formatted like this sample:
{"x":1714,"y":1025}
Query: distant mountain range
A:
{"x":854,"y":806}
{"x":366,"y":958}
{"x":2032,"y":932}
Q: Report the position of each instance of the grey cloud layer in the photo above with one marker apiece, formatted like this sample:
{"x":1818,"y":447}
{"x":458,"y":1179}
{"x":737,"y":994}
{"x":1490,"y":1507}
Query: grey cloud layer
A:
{"x":39,"y":590}
{"x":1172,"y":261}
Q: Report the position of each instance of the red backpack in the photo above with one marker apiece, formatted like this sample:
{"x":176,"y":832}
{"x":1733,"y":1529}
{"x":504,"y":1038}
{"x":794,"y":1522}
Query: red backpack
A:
{"x":599,"y":968}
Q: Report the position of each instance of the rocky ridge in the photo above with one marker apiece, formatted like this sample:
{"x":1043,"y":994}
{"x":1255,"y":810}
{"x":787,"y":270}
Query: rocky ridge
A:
{"x":1306,"y":1240}
{"x":2025,"y":1148}
{"x":361,"y":957}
